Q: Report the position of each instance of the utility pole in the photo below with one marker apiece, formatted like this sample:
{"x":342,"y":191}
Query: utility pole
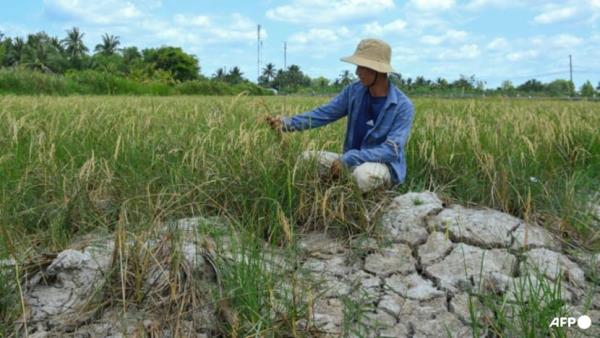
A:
{"x":284,"y":55}
{"x":571,"y":75}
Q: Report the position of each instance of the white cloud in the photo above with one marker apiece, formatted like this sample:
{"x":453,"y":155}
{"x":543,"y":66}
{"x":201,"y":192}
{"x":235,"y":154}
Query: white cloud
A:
{"x":192,"y":20}
{"x":314,"y":36}
{"x":432,"y":39}
{"x":456,"y":35}
{"x":555,"y":15}
{"x":374,"y":28}
{"x":450,"y":36}
{"x":537,"y":41}
{"x":319,"y":12}
{"x":433,"y":5}
{"x":234,"y":28}
{"x":97,"y":12}
{"x":523,"y":55}
{"x":566,"y":41}
{"x":498,"y":44}
{"x":470,"y":51}
{"x":479,"y":4}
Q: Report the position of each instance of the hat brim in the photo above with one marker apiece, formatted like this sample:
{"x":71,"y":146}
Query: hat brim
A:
{"x":377,"y":66}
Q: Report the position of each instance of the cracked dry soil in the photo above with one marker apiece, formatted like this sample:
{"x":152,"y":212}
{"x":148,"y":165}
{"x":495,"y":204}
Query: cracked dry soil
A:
{"x":417,"y":283}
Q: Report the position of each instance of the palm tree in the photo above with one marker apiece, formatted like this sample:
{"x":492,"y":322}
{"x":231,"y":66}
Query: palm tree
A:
{"x":109,"y":44}
{"x":346,"y":78}
{"x":131,"y":54}
{"x":219,"y":74}
{"x":73,"y":43}
{"x":235,"y":75}
{"x":41,"y":56}
{"x":269,"y":71}
{"x":41,"y":53}
{"x":15,"y":52}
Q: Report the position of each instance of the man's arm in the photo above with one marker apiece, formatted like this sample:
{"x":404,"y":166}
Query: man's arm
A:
{"x":330,"y":112}
{"x":391,"y":148}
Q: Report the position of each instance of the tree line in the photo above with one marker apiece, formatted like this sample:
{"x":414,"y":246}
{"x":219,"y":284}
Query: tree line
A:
{"x":171,"y":66}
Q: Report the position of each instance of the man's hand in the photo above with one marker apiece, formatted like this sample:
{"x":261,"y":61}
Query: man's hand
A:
{"x":275,"y":122}
{"x":336,"y":169}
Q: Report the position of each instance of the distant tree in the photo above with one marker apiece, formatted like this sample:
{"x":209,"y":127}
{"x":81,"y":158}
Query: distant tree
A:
{"x":532,"y":85}
{"x":397,"y":80}
{"x":131,"y":54}
{"x":3,"y":49}
{"x":269,"y":72}
{"x":296,"y":77}
{"x":466,"y":83}
{"x":507,"y":86}
{"x":560,"y":88}
{"x":291,"y":79}
{"x":219,"y":75}
{"x":442,"y":83}
{"x":263,"y":81}
{"x":14,"y":51}
{"x":320,"y":82}
{"x":41,"y":52}
{"x":587,"y":89}
{"x":598,"y":86}
{"x":73,"y":43}
{"x":280,"y":81}
{"x":420,"y":81}
{"x":346,"y":78}
{"x":183,"y":66}
{"x":480,"y":85}
{"x":234,"y":76}
{"x":109,"y":44}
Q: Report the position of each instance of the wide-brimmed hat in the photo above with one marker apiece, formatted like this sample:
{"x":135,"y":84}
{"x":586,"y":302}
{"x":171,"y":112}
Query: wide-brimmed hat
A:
{"x":372,"y":53}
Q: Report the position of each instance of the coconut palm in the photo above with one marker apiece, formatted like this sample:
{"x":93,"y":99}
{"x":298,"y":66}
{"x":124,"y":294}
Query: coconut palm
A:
{"x":131,"y":54}
{"x":73,"y":43}
{"x":15,"y":51}
{"x":109,"y":44}
{"x":219,"y":74}
{"x":346,"y":78}
{"x":41,"y":56}
{"x":234,"y":76}
{"x":41,"y":53}
{"x":269,"y":72}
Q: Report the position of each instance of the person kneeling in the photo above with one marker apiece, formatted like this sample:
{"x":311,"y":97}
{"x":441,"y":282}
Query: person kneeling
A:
{"x":379,"y":121}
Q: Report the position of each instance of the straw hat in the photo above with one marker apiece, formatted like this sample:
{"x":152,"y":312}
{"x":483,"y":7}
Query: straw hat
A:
{"x":372,"y":53}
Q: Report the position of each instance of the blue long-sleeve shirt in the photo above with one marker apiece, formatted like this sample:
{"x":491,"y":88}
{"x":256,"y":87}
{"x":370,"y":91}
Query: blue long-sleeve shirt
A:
{"x":384,"y":143}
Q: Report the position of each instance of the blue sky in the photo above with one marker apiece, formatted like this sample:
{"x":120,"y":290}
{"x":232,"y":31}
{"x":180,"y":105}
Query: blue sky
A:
{"x":495,"y":40}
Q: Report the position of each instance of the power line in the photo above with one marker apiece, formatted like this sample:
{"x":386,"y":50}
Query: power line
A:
{"x":539,"y":75}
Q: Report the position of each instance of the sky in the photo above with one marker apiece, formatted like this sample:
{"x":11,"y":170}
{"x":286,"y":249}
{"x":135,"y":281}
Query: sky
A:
{"x":495,"y":40}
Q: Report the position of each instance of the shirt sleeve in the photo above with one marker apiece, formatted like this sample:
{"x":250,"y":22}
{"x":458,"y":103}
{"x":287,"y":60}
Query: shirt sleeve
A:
{"x":330,"y":112}
{"x":393,"y":146}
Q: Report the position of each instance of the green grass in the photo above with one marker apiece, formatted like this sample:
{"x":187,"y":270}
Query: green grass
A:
{"x":526,"y":311}
{"x":95,"y":82}
{"x":74,"y":165}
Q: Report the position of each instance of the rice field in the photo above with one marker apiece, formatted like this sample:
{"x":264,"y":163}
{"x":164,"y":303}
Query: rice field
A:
{"x":72,"y":166}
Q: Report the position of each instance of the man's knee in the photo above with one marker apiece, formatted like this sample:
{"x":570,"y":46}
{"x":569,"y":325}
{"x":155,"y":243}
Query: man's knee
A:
{"x":369,"y":176}
{"x":324,"y":159}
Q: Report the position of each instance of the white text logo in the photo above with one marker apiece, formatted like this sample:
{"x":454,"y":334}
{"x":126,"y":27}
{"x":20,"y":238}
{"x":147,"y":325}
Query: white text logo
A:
{"x":583,"y":322}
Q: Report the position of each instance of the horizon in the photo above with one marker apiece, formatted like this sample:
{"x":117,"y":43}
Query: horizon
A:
{"x":429,"y":38}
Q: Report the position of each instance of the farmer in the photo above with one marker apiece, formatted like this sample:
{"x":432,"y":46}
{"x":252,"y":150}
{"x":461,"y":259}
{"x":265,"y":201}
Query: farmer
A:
{"x":379,"y":122}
